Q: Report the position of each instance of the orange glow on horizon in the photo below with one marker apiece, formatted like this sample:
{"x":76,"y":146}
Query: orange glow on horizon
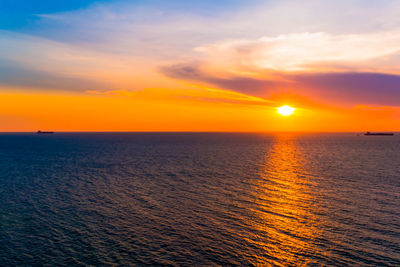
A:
{"x":161,"y":110}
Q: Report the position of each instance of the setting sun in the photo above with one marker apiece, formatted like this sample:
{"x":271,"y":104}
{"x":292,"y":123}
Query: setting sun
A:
{"x":286,"y":110}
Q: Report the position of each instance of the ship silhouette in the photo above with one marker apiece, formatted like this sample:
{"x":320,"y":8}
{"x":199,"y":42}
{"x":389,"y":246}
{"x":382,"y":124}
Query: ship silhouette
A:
{"x":44,"y":132}
{"x":387,"y":134}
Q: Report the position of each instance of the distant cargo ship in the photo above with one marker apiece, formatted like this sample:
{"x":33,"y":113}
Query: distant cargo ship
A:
{"x":369,"y":133}
{"x":44,"y":132}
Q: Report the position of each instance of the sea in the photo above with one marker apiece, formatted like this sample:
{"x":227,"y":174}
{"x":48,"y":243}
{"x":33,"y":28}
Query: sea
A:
{"x":199,"y":199}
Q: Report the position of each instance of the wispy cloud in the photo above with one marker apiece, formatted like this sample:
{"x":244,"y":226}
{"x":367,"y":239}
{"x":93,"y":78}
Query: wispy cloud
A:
{"x":347,"y":88}
{"x":307,"y":51}
{"x":346,"y":50}
{"x":12,"y":74}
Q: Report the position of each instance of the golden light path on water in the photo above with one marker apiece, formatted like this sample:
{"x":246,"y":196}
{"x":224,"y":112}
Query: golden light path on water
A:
{"x":283,"y":207}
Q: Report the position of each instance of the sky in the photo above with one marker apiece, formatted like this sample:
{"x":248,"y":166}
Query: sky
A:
{"x":143,"y":65}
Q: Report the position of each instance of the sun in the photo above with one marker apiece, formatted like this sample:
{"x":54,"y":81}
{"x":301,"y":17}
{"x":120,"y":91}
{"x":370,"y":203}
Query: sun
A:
{"x":286,"y":110}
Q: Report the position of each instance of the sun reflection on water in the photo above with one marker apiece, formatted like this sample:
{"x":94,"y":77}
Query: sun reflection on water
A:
{"x":283,"y":219}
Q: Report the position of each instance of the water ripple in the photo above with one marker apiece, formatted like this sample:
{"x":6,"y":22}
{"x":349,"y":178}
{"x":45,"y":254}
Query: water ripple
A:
{"x":199,"y":199}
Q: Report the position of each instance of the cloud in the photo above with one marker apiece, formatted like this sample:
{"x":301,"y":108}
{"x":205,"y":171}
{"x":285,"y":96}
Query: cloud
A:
{"x":324,"y":49}
{"x":162,"y":28}
{"x":348,"y":87}
{"x":307,"y":51}
{"x":192,"y":72}
{"x":38,"y":59}
{"x":203,"y":94}
{"x":367,"y":88}
{"x":13,"y":74}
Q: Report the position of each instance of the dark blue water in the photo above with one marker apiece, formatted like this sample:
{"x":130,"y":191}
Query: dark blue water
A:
{"x":199,"y":199}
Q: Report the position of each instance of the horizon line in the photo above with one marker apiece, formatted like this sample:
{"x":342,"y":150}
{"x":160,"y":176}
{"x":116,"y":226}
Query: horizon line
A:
{"x":255,"y":132}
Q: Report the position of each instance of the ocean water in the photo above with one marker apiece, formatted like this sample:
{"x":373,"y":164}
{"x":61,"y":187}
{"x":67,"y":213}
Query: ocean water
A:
{"x":184,"y":199}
